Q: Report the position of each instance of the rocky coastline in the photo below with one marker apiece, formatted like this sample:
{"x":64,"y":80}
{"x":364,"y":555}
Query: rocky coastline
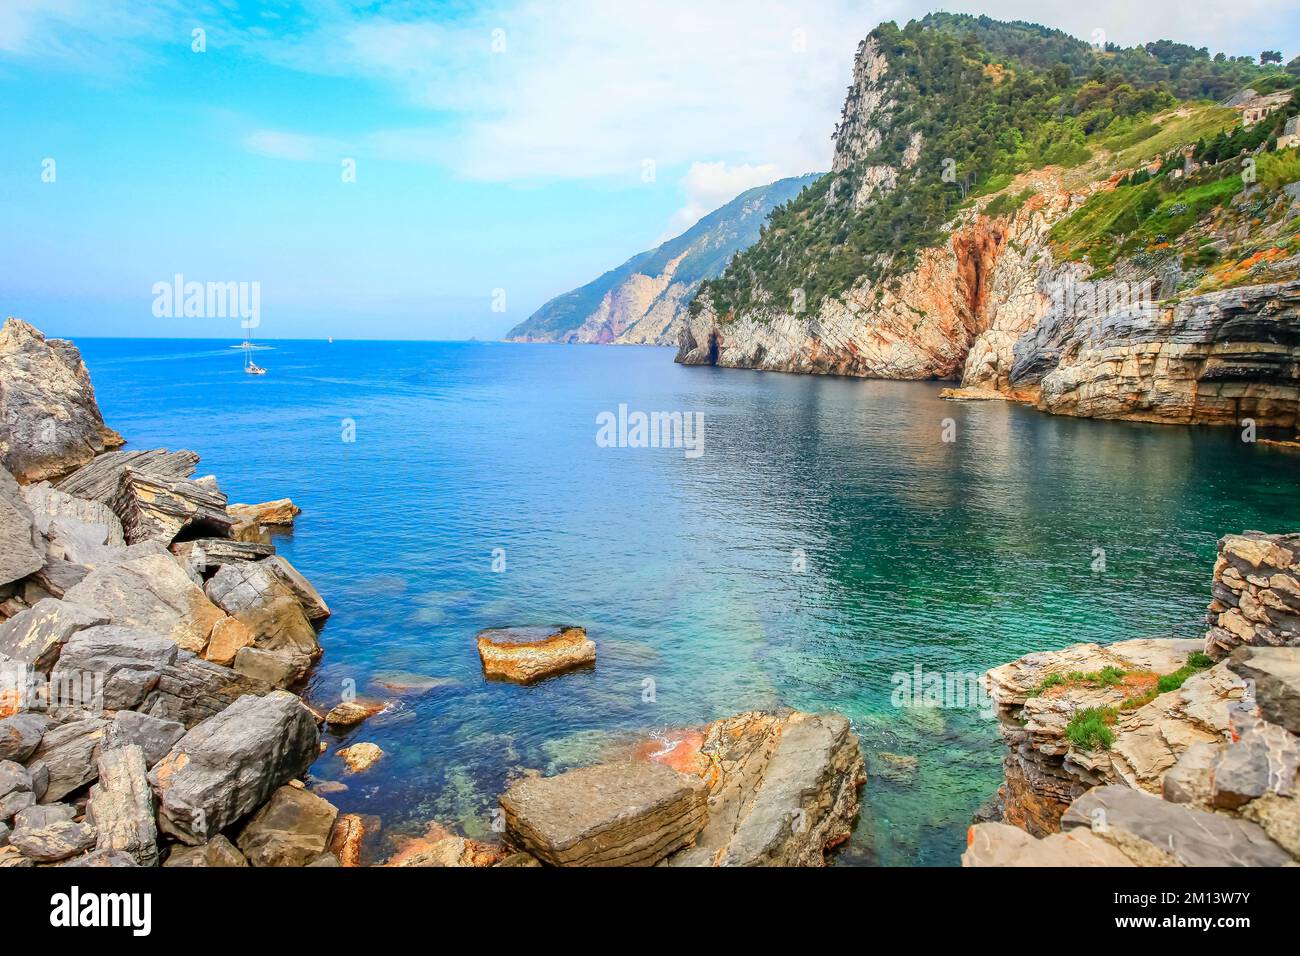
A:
{"x":1160,"y":752}
{"x":153,"y":647}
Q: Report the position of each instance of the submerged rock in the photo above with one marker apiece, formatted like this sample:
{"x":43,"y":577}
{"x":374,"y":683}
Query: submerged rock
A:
{"x":626,"y":814}
{"x":50,"y":422}
{"x":527,"y":654}
{"x":361,"y":756}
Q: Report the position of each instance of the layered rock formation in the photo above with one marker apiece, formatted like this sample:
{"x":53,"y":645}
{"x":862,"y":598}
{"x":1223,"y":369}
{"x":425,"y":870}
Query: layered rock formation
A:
{"x":527,"y":654}
{"x":1147,"y":753}
{"x":49,"y":420}
{"x":757,"y":789}
{"x":980,"y":303}
{"x":118,"y":741}
{"x":644,"y":301}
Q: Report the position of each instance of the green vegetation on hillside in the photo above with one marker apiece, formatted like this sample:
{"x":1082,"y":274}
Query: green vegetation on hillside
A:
{"x":990,"y":100}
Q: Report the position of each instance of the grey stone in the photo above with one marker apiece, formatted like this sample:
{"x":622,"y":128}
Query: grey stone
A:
{"x":42,"y":815}
{"x":620,"y":814}
{"x":217,"y":852}
{"x":255,"y":595}
{"x":1189,"y":780}
{"x":21,"y":551}
{"x":48,"y":503}
{"x":313,"y":604}
{"x":16,"y":789}
{"x":11,"y":858}
{"x":291,"y":830}
{"x":1276,"y":673}
{"x":268,"y":666}
{"x":153,"y":735}
{"x":20,"y":735}
{"x":1264,"y":760}
{"x":58,"y":841}
{"x":150,"y":589}
{"x":99,"y":480}
{"x":59,"y":575}
{"x":125,"y":664}
{"x":121,"y":806}
{"x":158,"y":509}
{"x":103,"y":858}
{"x":230,"y":764}
{"x":4,"y":835}
{"x":191,"y":690}
{"x":208,"y":554}
{"x":67,"y":757}
{"x":1192,"y":837}
{"x":37,"y":635}
{"x":49,"y":420}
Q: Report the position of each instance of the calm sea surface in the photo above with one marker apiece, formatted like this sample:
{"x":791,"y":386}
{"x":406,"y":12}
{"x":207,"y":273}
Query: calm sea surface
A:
{"x":954,"y":556}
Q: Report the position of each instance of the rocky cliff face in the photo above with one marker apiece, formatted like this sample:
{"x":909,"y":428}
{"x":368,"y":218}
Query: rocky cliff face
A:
{"x":984,"y":307}
{"x":643,"y":301}
{"x":50,"y":423}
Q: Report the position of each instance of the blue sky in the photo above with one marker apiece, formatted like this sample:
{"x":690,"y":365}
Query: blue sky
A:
{"x":502,"y":146}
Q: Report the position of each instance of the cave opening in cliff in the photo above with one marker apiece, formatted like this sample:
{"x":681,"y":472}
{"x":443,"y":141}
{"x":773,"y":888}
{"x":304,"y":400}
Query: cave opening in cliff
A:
{"x":714,"y":347}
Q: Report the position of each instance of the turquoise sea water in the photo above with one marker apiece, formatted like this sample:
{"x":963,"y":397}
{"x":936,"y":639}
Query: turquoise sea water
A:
{"x":827,"y":539}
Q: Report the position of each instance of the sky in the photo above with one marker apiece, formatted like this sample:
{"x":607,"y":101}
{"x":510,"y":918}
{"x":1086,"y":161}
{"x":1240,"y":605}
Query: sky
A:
{"x":424,"y":170}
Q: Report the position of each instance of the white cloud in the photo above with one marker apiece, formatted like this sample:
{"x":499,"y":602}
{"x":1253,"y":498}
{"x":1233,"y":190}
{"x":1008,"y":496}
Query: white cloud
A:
{"x":278,"y":144}
{"x":710,"y":185}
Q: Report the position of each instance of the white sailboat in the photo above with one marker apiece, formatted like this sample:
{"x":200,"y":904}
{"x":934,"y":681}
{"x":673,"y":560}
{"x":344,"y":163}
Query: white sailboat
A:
{"x":250,"y":367}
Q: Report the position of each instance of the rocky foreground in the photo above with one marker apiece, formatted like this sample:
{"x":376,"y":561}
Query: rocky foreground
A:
{"x":150,"y":643}
{"x":1161,"y":752}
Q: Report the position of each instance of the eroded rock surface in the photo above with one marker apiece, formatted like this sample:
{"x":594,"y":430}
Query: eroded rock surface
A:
{"x":528,"y":654}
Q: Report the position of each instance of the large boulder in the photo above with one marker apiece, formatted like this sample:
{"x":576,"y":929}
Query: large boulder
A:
{"x":58,"y":841}
{"x":121,"y":806}
{"x":1275,"y":674}
{"x":36,"y":636}
{"x":631,"y":813}
{"x":280,"y":512}
{"x":17,"y":789}
{"x":50,"y":422}
{"x":124,"y":664}
{"x":21,"y":549}
{"x":313,"y":605}
{"x":230,"y":764}
{"x":217,"y":852}
{"x":256,"y":596}
{"x":291,"y":830}
{"x":151,"y":590}
{"x":48,"y":504}
{"x":528,"y":654}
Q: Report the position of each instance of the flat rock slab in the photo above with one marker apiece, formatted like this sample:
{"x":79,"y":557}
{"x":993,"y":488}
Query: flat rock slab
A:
{"x":279,"y":512}
{"x":230,"y":764}
{"x":293,"y":829}
{"x":1192,"y":837}
{"x":208,"y":554}
{"x":191,"y":690}
{"x":527,"y":654}
{"x":37,"y":635}
{"x":999,"y":844}
{"x":49,"y":504}
{"x":621,"y":814}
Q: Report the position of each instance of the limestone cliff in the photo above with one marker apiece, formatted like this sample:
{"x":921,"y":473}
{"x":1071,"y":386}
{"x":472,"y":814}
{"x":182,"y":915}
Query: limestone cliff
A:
{"x":1128,"y":281}
{"x":643,"y":301}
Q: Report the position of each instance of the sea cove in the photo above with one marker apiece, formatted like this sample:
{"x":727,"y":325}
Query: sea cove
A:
{"x":826,"y":540}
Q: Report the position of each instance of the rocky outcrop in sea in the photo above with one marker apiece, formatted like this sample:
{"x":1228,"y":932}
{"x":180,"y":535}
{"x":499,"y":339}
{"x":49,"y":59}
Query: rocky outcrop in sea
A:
{"x":1159,"y":752}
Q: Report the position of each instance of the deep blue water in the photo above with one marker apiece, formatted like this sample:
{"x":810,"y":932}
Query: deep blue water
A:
{"x":952,"y":555}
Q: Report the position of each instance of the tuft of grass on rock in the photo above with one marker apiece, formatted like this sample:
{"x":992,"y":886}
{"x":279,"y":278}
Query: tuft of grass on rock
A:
{"x":1089,"y":729}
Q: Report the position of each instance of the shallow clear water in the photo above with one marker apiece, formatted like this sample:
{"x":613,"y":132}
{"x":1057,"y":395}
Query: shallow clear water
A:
{"x":952,"y":556}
